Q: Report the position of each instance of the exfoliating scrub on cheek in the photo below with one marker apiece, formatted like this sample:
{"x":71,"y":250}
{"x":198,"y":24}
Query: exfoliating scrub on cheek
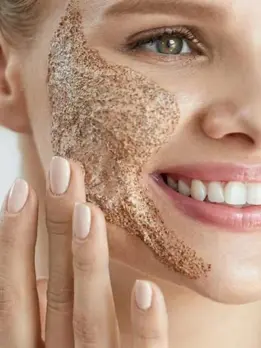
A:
{"x":112,"y":119}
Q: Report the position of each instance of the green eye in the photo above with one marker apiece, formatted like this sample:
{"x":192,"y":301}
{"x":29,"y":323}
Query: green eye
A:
{"x":177,"y":41}
{"x":168,"y":45}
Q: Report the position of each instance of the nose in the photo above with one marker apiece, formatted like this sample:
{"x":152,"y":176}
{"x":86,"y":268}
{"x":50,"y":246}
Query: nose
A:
{"x":225,"y":120}
{"x":234,"y":114}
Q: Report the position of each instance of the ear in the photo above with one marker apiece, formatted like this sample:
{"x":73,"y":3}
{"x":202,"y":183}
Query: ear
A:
{"x":13,"y":113}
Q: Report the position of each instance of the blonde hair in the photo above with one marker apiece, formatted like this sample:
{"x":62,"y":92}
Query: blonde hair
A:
{"x":18,"y":19}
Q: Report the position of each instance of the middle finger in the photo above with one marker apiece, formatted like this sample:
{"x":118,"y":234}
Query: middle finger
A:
{"x":65,"y":187}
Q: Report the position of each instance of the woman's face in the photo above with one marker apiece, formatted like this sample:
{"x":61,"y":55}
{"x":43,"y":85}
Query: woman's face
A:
{"x":209,"y":58}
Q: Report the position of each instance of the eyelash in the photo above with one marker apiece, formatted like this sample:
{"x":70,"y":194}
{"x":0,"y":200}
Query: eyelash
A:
{"x":135,"y":42}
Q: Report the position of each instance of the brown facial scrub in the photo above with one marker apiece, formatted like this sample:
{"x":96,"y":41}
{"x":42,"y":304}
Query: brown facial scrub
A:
{"x":112,"y":119}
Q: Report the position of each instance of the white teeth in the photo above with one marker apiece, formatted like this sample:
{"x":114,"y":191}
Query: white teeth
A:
{"x":173,"y":184}
{"x":198,"y":190}
{"x":254,"y":194}
{"x":235,"y":193}
{"x":183,"y":188}
{"x":216,"y":192}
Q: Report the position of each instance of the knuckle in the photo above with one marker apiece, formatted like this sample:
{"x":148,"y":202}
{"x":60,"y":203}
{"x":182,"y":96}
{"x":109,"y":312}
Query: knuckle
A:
{"x":87,"y":261}
{"x":9,"y":297}
{"x":8,"y":236}
{"x":59,"y":294}
{"x":58,"y":303}
{"x":8,"y":241}
{"x":149,"y":335}
{"x":148,"y":332}
{"x":84,"y":264}
{"x":86,"y":331}
{"x":56,"y":227}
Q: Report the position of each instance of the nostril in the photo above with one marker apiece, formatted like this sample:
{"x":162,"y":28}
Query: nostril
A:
{"x":241,"y":137}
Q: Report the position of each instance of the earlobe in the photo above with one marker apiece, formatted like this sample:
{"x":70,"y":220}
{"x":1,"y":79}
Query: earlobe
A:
{"x":3,"y":85}
{"x":13,"y":114}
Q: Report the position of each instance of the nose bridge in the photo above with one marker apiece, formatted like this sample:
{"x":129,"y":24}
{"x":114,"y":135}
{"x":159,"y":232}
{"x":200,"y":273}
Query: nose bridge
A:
{"x":235,"y":91}
{"x":246,"y":71}
{"x":243,"y":89}
{"x":249,"y":97}
{"x":236,"y":107}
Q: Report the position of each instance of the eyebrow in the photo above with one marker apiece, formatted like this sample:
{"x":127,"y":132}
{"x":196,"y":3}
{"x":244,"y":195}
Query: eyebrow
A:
{"x":187,"y":8}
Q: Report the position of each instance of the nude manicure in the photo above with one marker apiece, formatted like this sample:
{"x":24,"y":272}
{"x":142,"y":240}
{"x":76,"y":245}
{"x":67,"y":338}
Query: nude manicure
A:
{"x":143,"y":294}
{"x":60,"y":174}
{"x":81,"y":221}
{"x":18,"y":196}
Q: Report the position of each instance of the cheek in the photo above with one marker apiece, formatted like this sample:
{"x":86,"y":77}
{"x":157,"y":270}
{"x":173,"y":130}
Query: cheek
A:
{"x":112,"y":119}
{"x":190,"y":86}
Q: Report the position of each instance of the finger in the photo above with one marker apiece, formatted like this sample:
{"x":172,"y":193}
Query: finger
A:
{"x":42,"y":297}
{"x":19,"y":311}
{"x":65,"y":186}
{"x":95,"y":323}
{"x":149,"y":316}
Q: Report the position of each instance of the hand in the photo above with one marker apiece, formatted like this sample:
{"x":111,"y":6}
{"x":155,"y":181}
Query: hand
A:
{"x":80,"y":310}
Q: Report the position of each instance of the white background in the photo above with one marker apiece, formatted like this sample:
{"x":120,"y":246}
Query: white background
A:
{"x":9,"y":161}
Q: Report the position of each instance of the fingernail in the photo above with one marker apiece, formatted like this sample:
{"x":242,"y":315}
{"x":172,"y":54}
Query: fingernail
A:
{"x":143,"y":294}
{"x":81,"y":220}
{"x":18,"y":196}
{"x":3,"y":208}
{"x":60,"y":175}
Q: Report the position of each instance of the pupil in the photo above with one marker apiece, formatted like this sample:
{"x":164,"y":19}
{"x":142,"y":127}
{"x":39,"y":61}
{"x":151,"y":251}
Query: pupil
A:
{"x":170,"y":45}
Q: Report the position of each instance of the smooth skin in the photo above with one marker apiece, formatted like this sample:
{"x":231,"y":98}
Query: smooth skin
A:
{"x":219,"y":98}
{"x":80,"y":307}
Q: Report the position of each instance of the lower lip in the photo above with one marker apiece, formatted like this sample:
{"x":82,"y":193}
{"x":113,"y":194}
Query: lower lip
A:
{"x":229,"y":218}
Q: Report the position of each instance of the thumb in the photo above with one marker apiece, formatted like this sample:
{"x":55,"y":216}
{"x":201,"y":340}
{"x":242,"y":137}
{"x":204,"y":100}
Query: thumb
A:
{"x":42,"y":284}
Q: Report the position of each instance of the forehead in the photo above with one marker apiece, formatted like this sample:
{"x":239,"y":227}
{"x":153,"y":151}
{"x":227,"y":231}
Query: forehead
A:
{"x":243,"y":15}
{"x":237,"y":10}
{"x":138,"y":5}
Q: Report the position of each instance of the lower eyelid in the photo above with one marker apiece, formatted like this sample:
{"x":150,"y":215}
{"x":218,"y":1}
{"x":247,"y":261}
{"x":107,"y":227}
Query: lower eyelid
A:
{"x":162,"y":57}
{"x":178,"y":61}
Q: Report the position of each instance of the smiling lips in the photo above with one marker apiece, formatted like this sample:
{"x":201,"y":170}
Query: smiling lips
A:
{"x":228,"y":196}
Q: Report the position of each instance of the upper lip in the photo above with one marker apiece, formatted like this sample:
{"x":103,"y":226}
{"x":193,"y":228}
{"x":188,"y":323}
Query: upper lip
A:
{"x":216,"y":172}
